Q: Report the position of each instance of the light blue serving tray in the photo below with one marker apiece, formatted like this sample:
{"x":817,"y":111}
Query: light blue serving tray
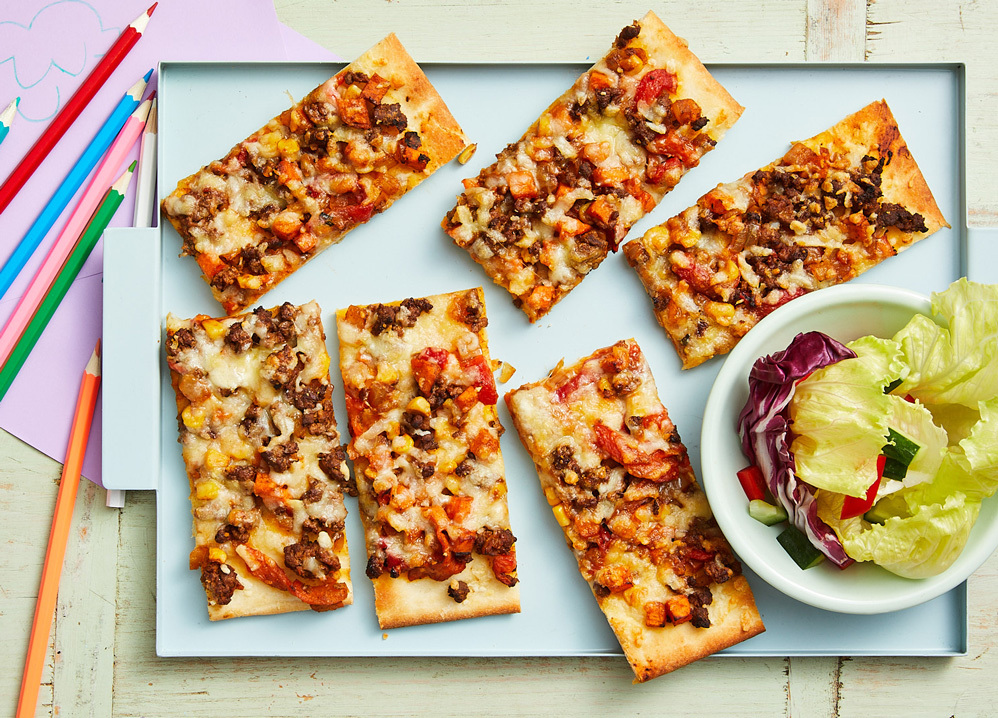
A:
{"x":206,"y":108}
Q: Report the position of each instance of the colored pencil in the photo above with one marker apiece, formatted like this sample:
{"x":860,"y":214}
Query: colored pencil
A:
{"x":72,"y":109}
{"x":40,"y":283}
{"x":65,"y":279}
{"x":142,"y":214}
{"x":71,"y":184}
{"x":7,"y":117}
{"x":62,"y":520}
{"x":145,"y":187}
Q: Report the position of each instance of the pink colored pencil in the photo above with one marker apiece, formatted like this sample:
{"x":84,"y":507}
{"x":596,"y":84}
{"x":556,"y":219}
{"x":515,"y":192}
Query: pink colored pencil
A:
{"x":77,"y":222}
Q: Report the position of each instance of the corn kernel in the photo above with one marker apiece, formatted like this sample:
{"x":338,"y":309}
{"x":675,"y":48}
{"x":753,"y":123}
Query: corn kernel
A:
{"x":250,"y":281}
{"x":207,"y":490}
{"x":720,"y":312}
{"x":551,"y":496}
{"x":193,"y":417}
{"x":560,"y":516}
{"x":544,"y":124}
{"x":467,"y":153}
{"x":453,"y":484}
{"x":420,"y":405}
{"x":217,"y":555}
{"x":508,"y":370}
{"x":727,"y":273}
{"x":499,"y":490}
{"x":657,"y":238}
{"x":387,"y":374}
{"x":215,"y":459}
{"x":288,"y":147}
{"x":402,"y":444}
{"x":214,"y":329}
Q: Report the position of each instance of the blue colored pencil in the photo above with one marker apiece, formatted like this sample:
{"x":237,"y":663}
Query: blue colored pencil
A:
{"x":7,"y":117}
{"x":72,"y":183}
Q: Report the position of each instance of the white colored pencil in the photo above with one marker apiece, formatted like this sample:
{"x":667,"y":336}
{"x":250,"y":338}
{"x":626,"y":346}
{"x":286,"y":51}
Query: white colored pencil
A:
{"x":145,"y":199}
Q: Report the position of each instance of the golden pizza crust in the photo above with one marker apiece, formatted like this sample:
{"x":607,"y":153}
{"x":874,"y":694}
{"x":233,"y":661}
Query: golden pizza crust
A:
{"x":427,"y":114}
{"x":454,"y":323}
{"x":257,"y":598}
{"x":653,"y":652}
{"x":698,"y":326}
{"x":546,"y":423}
{"x":208,"y":454}
{"x":694,"y":80}
{"x":400,"y":602}
{"x":440,"y":132}
{"x":556,"y":252}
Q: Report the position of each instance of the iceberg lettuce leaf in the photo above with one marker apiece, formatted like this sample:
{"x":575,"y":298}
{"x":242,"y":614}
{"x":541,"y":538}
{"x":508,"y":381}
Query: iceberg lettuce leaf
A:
{"x":923,"y":544}
{"x":956,"y":363}
{"x":839,"y":415}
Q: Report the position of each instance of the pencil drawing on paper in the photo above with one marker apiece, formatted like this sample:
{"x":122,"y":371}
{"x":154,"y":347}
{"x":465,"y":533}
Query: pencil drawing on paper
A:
{"x":74,"y":34}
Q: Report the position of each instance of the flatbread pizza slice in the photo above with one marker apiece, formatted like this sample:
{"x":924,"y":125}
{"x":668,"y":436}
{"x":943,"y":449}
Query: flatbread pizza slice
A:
{"x":263,"y":457}
{"x":421,"y":402}
{"x":831,"y":208}
{"x":344,"y":153}
{"x":619,"y":481}
{"x":558,"y":200}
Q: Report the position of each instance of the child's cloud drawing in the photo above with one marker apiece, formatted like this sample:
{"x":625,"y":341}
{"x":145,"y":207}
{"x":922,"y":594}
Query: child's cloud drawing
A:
{"x":46,"y":56}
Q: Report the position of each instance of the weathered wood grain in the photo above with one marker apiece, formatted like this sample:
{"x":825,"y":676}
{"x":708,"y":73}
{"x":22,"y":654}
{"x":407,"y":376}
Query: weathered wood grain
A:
{"x":901,"y":30}
{"x":528,"y":31}
{"x":836,"y":30}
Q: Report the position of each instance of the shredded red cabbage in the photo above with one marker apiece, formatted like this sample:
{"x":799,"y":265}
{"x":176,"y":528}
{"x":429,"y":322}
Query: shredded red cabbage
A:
{"x":763,"y":426}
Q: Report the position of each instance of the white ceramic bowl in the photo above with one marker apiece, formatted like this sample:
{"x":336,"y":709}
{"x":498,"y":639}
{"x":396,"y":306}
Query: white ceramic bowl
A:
{"x":845,"y":312}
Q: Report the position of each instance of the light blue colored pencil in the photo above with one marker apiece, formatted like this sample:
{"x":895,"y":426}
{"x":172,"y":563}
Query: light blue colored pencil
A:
{"x":71,"y":184}
{"x":7,"y":117}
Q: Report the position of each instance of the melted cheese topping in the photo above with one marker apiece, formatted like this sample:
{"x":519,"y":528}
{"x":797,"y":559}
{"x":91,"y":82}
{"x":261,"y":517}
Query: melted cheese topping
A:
{"x":628,"y":531}
{"x":814,"y":218}
{"x":347,"y":151}
{"x":256,"y":460}
{"x":426,"y":448}
{"x":538,"y":228}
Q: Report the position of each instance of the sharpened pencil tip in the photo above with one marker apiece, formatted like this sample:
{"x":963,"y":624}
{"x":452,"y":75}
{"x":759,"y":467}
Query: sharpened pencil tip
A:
{"x":93,"y":366}
{"x":151,"y":8}
{"x":151,"y":122}
{"x":131,"y":167}
{"x":147,"y":75}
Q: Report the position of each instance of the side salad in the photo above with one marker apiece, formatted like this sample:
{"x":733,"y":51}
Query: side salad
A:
{"x":881,"y":449}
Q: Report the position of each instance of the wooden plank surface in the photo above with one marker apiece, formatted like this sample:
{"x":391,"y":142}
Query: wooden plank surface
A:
{"x":102,"y":660}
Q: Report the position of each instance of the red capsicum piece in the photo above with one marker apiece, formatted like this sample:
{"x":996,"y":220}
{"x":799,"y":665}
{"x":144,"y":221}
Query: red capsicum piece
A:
{"x":752,"y":483}
{"x":854,"y":506}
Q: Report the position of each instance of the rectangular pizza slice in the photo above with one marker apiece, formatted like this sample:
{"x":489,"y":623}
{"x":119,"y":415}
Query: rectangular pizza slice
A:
{"x":832,"y":207}
{"x":346,"y":152}
{"x":620,"y":484}
{"x":267,"y":471}
{"x":421,"y":402}
{"x":557,"y":201}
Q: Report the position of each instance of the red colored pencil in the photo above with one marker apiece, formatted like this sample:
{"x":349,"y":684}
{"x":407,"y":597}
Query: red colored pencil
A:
{"x":72,"y":109}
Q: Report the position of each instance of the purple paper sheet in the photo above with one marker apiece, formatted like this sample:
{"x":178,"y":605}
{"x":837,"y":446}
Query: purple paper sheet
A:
{"x":47,"y":49}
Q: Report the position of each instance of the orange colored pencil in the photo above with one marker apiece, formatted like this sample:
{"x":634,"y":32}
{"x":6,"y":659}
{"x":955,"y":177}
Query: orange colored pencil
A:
{"x":59,"y":537}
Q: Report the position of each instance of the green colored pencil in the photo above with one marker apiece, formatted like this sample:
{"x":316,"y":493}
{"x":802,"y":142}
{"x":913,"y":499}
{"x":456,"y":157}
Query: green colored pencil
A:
{"x":67,"y":275}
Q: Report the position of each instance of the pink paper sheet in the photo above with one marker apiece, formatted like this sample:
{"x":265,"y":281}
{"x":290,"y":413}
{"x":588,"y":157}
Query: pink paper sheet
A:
{"x":46,"y":50}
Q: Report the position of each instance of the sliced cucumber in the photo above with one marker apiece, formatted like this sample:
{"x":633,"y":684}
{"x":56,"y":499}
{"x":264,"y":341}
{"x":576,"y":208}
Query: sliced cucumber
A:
{"x":766,"y":513}
{"x":899,"y":452}
{"x":802,"y":551}
{"x":880,"y":512}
